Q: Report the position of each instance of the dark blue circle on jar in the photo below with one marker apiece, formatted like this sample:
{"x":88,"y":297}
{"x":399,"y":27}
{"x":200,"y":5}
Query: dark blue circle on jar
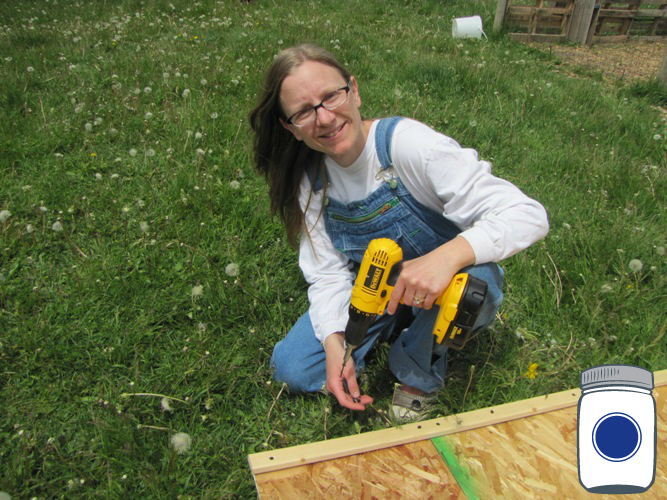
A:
{"x":617,"y":437}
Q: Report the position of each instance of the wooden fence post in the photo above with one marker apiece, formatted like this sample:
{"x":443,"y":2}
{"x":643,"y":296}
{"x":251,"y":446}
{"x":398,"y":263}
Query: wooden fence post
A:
{"x":663,"y":71}
{"x":501,"y":8}
{"x":581,"y":21}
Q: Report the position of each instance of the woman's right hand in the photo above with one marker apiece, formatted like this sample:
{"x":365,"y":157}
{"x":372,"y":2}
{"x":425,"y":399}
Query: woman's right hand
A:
{"x":335,"y":352}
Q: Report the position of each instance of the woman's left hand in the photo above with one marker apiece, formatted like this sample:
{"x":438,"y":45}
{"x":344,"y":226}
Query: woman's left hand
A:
{"x":423,"y":279}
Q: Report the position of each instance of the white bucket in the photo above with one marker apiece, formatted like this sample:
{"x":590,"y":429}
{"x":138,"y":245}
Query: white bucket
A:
{"x":467,"y":27}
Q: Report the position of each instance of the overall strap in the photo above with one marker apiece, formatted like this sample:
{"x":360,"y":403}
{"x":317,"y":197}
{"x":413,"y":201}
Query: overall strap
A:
{"x":383,"y":132}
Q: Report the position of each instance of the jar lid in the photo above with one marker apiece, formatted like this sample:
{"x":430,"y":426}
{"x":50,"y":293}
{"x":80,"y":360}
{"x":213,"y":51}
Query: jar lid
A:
{"x":607,"y":375}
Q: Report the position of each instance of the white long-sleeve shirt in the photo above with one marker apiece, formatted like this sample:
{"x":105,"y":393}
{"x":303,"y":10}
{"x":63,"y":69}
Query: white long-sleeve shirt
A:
{"x":495,"y":217}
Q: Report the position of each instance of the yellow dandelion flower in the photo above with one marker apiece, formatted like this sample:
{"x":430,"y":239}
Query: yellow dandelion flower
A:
{"x":532,"y":371}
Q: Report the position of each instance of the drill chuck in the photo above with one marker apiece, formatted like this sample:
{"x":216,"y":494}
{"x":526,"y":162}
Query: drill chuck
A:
{"x":356,"y":329}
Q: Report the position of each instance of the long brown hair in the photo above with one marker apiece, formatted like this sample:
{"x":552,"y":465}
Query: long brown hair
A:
{"x":278,"y":154}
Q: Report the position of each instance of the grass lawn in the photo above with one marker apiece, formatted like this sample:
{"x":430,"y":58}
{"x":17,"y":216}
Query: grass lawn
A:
{"x":143,"y":282}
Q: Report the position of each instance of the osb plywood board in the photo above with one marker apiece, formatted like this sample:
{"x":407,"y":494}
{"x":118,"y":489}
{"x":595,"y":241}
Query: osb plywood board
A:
{"x":535,"y":457}
{"x":410,"y":471}
{"x":283,"y":458}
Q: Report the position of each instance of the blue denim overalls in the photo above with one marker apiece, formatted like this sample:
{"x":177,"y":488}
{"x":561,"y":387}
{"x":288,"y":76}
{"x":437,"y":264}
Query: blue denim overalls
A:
{"x":388,"y":212}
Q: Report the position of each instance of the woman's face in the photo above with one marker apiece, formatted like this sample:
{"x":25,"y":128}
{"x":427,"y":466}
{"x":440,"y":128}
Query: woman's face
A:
{"x":340,"y":133}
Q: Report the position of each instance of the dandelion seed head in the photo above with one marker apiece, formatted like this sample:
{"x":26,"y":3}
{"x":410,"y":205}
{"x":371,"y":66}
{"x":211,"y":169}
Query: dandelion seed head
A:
{"x":566,"y":226}
{"x":657,"y":137}
{"x":57,"y":226}
{"x":635,"y":265}
{"x":148,"y":116}
{"x":164,"y":403}
{"x":98,"y":176}
{"x":98,"y":121}
{"x":181,"y":442}
{"x":232,"y":269}
{"x":144,"y":226}
{"x":30,"y":69}
{"x":4,"y":215}
{"x":147,"y":90}
{"x":185,"y":94}
{"x":197,"y":290}
{"x":150,"y":152}
{"x":235,"y":184}
{"x":113,"y":132}
{"x":201,"y":152}
{"x":88,"y":127}
{"x":214,"y":115}
{"x":660,"y":251}
{"x":29,"y":228}
{"x":606,"y":288}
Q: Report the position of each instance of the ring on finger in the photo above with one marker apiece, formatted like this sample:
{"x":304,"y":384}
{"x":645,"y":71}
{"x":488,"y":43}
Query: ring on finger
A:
{"x":418,"y":300}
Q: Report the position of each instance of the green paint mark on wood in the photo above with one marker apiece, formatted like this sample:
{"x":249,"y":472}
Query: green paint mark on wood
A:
{"x":459,"y":471}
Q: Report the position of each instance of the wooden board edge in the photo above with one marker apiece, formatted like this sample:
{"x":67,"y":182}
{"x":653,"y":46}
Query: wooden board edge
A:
{"x":538,"y":37}
{"x":268,"y":461}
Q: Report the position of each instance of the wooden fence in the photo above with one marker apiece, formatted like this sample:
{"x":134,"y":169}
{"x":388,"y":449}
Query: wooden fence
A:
{"x":583,"y":21}
{"x":619,"y":20}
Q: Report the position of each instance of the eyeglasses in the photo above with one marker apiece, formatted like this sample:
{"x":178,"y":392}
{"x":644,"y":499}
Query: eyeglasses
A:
{"x":332,"y":101}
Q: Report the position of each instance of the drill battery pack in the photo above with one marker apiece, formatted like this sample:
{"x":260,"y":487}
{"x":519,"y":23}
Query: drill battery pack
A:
{"x":459,"y":308}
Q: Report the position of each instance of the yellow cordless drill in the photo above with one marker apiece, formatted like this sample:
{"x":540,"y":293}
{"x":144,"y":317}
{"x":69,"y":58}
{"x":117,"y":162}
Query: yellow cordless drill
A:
{"x":460,"y":303}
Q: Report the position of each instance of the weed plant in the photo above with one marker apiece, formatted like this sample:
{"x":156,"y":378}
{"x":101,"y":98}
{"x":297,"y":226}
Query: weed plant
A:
{"x":143,"y":283}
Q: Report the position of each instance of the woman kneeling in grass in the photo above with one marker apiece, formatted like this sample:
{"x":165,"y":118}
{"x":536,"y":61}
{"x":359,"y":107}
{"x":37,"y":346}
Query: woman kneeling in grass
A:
{"x":339,"y":181}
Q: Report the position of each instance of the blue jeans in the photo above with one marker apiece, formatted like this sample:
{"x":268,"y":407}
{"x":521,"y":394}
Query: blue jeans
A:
{"x":388,"y":212}
{"x":415,"y":358}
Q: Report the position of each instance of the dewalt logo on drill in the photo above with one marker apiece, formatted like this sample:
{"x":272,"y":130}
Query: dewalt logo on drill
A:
{"x":374,"y":277}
